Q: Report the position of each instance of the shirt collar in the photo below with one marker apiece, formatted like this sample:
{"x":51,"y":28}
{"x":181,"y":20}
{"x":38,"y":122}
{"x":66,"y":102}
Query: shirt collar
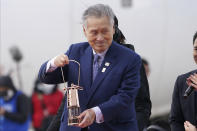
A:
{"x":102,"y":54}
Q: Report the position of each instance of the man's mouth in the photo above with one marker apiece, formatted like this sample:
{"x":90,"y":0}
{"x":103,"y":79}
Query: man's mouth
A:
{"x":99,"y":43}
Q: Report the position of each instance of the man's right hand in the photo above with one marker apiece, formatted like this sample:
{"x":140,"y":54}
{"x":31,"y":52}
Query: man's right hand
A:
{"x":2,"y":111}
{"x":192,"y":80}
{"x":61,"y":60}
{"x":189,"y":127}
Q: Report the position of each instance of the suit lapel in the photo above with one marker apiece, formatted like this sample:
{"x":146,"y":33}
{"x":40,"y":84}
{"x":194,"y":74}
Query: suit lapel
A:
{"x":86,"y":69}
{"x":192,"y":107}
{"x":107,"y":65}
{"x":190,"y":104}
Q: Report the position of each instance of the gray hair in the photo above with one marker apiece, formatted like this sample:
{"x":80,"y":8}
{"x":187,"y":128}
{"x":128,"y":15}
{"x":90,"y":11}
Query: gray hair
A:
{"x":98,"y":10}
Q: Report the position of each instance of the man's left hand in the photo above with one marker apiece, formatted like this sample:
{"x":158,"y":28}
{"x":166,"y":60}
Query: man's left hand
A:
{"x":189,"y":127}
{"x":2,"y":111}
{"x":87,"y":118}
{"x":192,"y":80}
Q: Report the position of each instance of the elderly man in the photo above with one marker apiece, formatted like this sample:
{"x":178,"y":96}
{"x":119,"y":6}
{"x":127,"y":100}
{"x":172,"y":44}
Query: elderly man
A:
{"x":109,"y":80}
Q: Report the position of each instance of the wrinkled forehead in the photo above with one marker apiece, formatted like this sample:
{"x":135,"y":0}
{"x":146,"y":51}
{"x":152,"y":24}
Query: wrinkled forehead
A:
{"x":96,"y":22}
{"x":98,"y":19}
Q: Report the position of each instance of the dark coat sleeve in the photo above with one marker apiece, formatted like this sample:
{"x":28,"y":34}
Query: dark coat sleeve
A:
{"x":142,"y":102}
{"x":55,"y":124}
{"x":176,"y":116}
{"x":23,"y":110}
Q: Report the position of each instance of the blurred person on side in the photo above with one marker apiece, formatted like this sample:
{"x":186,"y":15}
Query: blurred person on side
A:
{"x":183,"y":114}
{"x":142,"y":102}
{"x":14,"y":107}
{"x":46,"y":100}
{"x":146,"y":66}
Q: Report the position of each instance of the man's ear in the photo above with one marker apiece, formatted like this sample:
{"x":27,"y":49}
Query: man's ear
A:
{"x":84,"y":30}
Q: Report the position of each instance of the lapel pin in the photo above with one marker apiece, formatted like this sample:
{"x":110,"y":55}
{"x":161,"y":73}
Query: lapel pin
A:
{"x":103,"y":70}
{"x":106,"y":63}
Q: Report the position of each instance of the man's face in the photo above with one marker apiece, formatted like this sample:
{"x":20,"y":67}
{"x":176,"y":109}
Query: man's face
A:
{"x":195,"y":51}
{"x":99,"y":33}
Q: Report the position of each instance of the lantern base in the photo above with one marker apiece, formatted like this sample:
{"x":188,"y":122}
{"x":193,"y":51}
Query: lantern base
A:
{"x":73,"y":121}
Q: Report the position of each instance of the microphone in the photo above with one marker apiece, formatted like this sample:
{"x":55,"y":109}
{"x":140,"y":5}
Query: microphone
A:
{"x":188,"y":91}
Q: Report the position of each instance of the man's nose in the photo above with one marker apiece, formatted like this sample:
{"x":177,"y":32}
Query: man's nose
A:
{"x":100,"y":37}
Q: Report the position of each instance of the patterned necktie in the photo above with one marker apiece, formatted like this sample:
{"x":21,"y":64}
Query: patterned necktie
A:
{"x":96,"y":65}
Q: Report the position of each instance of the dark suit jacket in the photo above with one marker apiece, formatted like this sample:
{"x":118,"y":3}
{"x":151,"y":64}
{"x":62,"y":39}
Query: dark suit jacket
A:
{"x":142,"y":102}
{"x":182,"y":109}
{"x":114,"y":90}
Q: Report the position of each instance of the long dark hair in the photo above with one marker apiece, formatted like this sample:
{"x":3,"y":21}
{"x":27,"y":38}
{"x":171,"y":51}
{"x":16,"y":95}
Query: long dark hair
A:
{"x":118,"y":35}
